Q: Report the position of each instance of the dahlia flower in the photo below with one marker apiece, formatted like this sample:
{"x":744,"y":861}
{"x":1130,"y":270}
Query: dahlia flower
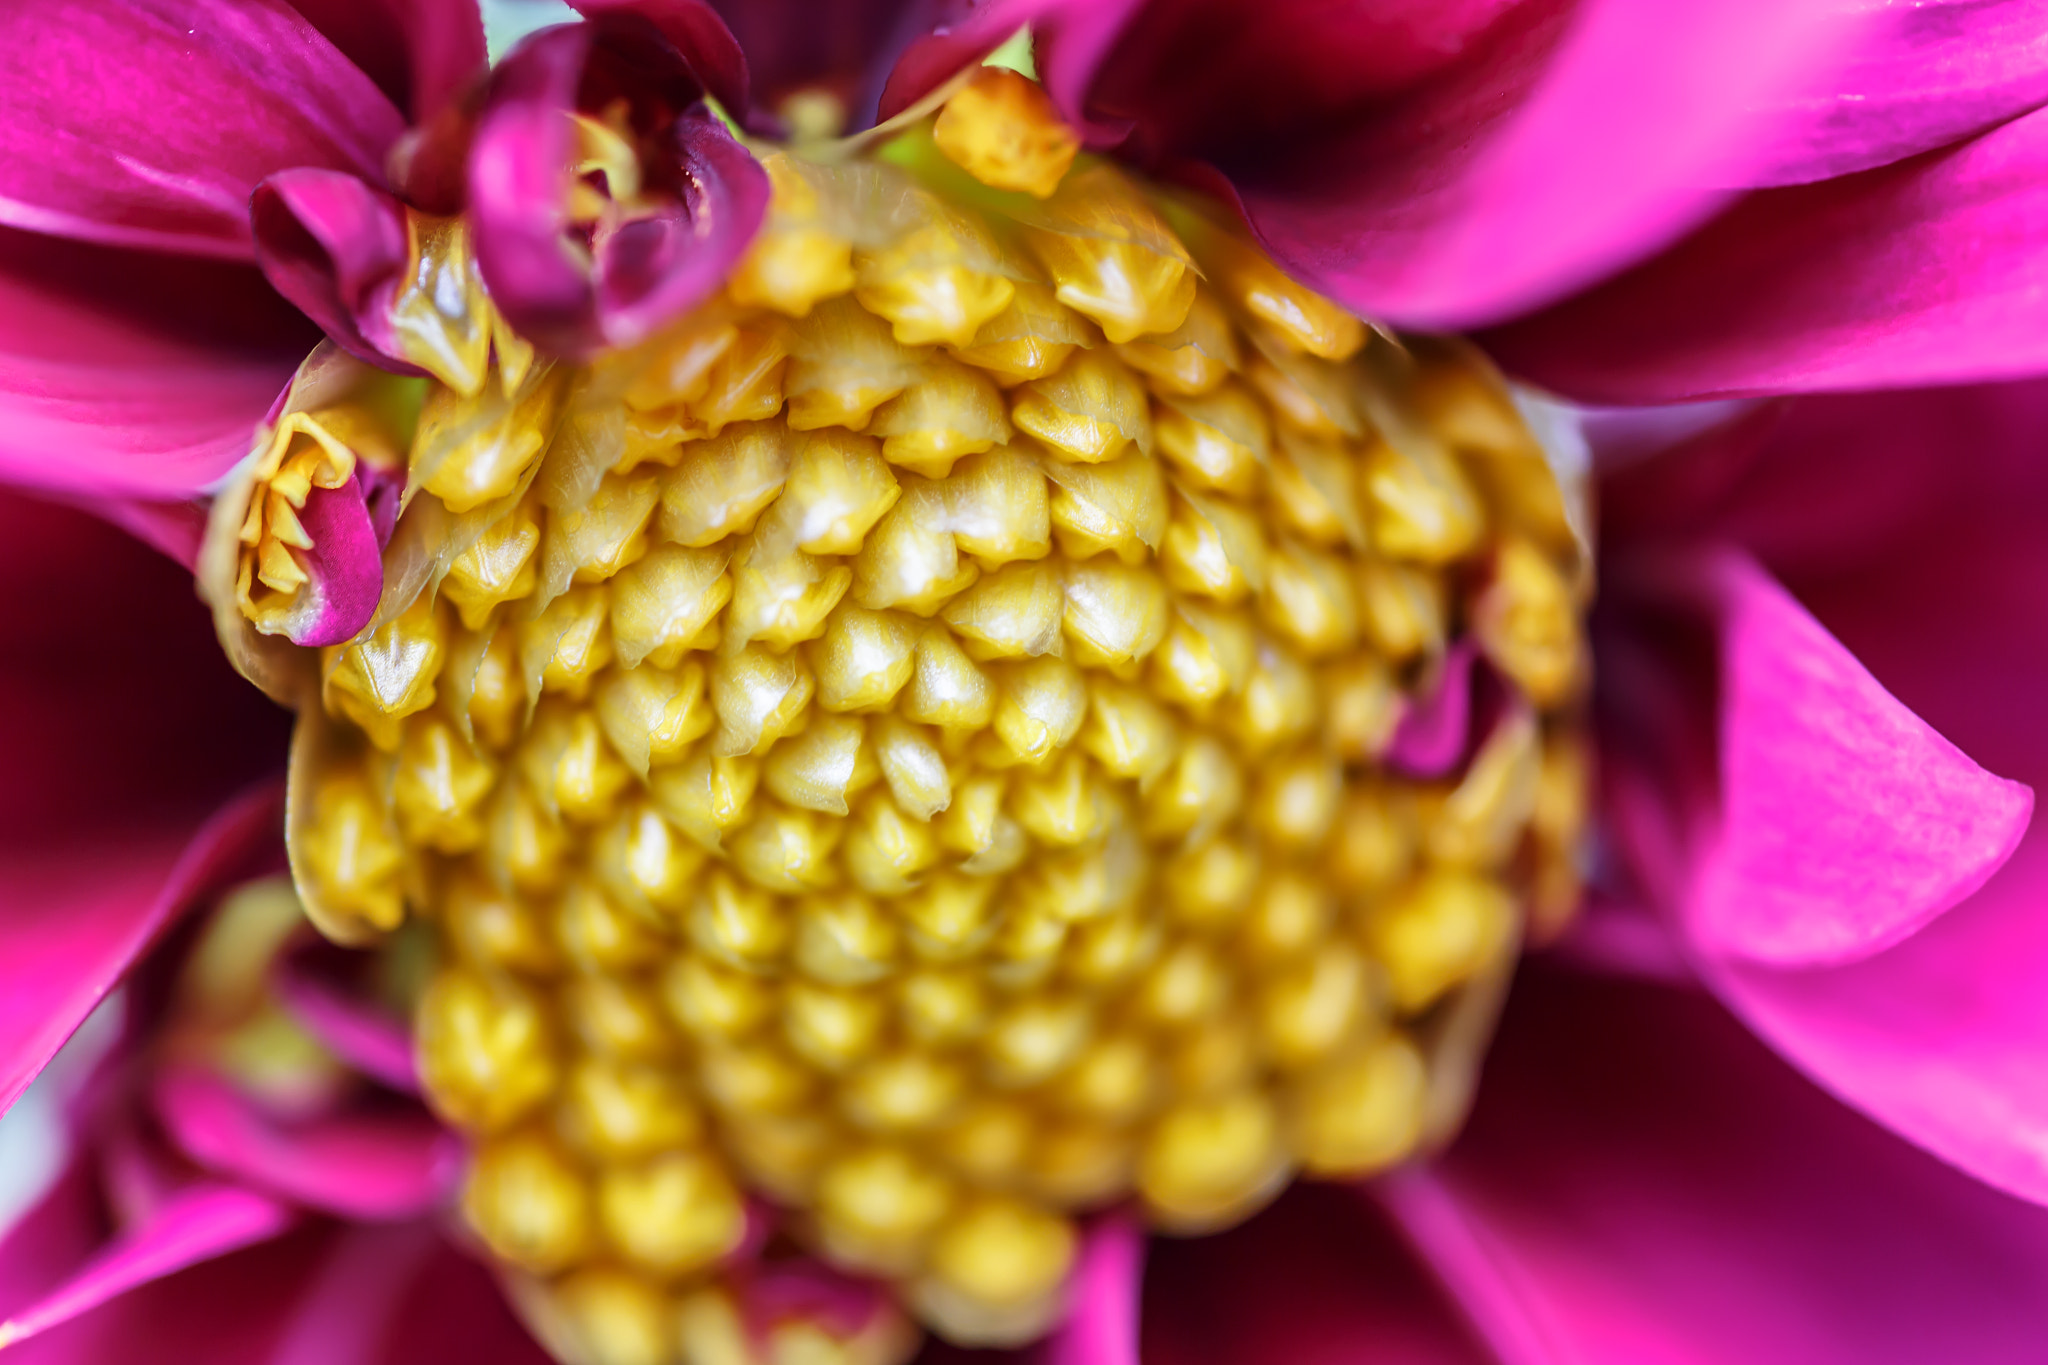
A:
{"x":902,"y":672}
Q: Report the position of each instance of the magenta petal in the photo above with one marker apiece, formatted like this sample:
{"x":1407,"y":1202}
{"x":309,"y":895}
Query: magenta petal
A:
{"x":390,"y":1164}
{"x":366,"y":1036}
{"x":1932,"y":74}
{"x":344,"y":568}
{"x":337,"y":248}
{"x":1924,"y":272}
{"x":1316,"y":1279}
{"x":1101,"y":1326}
{"x":199,"y":1223}
{"x":147,"y":125}
{"x":1432,"y":733}
{"x":1641,"y":1182}
{"x":131,"y":373}
{"x":72,"y":931}
{"x":652,"y":267}
{"x":1846,"y":823}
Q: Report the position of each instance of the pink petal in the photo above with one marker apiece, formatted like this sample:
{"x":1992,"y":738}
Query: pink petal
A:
{"x":1934,"y":73}
{"x":204,"y":1221}
{"x":380,"y":1164}
{"x":364,"y":1035}
{"x":337,"y":248}
{"x":1929,"y":567}
{"x":1845,"y":822}
{"x":1431,"y":736}
{"x":1924,"y":272}
{"x":653,"y":266}
{"x":146,"y":125}
{"x":1642,"y":1184}
{"x":1314,"y":1280}
{"x":846,"y":47}
{"x":130,"y":373}
{"x":1101,"y":1327}
{"x":122,"y":730}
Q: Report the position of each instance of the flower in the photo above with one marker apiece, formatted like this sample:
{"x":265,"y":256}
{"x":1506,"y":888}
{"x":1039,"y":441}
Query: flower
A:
{"x":568,"y":321}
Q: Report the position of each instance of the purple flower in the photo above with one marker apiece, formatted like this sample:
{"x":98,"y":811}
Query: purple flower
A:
{"x":1774,"y":1095}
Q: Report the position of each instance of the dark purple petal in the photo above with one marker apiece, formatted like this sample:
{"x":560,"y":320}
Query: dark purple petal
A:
{"x":699,"y":34}
{"x":1642,"y":1181}
{"x":337,"y":248}
{"x":134,"y":373}
{"x":1932,"y":74}
{"x":148,"y":124}
{"x":846,"y":48}
{"x":1925,"y":272}
{"x":390,"y":1163}
{"x":657,"y":263}
{"x":421,"y":53}
{"x":1317,"y":1279}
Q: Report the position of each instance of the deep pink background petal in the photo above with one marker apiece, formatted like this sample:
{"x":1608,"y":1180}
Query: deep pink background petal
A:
{"x":1642,"y":1183}
{"x":1927,"y":565}
{"x":122,"y":732}
{"x":420,"y":53}
{"x":1924,"y":272}
{"x":147,"y":122}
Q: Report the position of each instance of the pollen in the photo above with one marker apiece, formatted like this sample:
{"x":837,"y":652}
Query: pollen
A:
{"x":918,"y":752}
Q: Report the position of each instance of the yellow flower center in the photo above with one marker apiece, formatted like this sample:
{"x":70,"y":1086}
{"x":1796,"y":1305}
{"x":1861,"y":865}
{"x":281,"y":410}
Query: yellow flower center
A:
{"x":909,"y":743}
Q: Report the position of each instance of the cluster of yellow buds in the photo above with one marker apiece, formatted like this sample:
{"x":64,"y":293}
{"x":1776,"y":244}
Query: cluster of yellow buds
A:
{"x":910,"y":745}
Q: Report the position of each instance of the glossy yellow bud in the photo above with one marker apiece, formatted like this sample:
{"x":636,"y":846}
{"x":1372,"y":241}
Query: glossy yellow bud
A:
{"x":618,"y":1112}
{"x":1080,"y":1163}
{"x":822,"y":767}
{"x":472,"y":451}
{"x":737,"y":924}
{"x":1401,"y":609}
{"x":831,"y":1027}
{"x":1208,"y":1163}
{"x":617,"y":1017}
{"x":1090,"y":410}
{"x":940,"y":280}
{"x":1042,"y":704}
{"x":1364,"y":704}
{"x":713,"y":1001}
{"x":1290,"y":912}
{"x":745,"y":384}
{"x":350,"y":853}
{"x":497,"y":691}
{"x":1306,"y":395}
{"x":886,"y":851}
{"x":780,"y":596}
{"x":1309,"y":1009}
{"x":1009,"y":614}
{"x":950,"y":916}
{"x":565,"y":646}
{"x":996,"y":506}
{"x":498,"y":568}
{"x":844,"y":363}
{"x":651,"y":715}
{"x":1188,"y":983}
{"x":1209,"y":885}
{"x":950,"y":411}
{"x":528,"y":1203}
{"x":1114,"y":1080}
{"x":1363,"y":1113}
{"x":1479,"y":822}
{"x":947,"y":688}
{"x":997,"y":1271}
{"x":1002,"y":129}
{"x":1127,"y":732}
{"x":910,"y":559}
{"x":1203,"y":788}
{"x":1116,"y":614}
{"x":1295,"y":803}
{"x":494,"y":929}
{"x":1207,"y":655}
{"x":753,"y":1079}
{"x":671,"y":1215}
{"x":1217,"y":441}
{"x":721,"y":486}
{"x":663,"y":606}
{"x":1035,"y":1038}
{"x":900,"y":1092}
{"x":388,"y":674}
{"x":1527,"y":622}
{"x":989,"y":1141}
{"x":1303,"y":319}
{"x":1120,"y":507}
{"x":796,"y":259}
{"x":1437,"y":932}
{"x":759,"y":696}
{"x":1192,"y":359}
{"x":707,"y":795}
{"x":611,"y":1317}
{"x":878,"y":1206}
{"x":486,"y":1051}
{"x":940,"y":1007}
{"x":913,"y":767}
{"x":1312,"y":490}
{"x":978,"y":829}
{"x":1214,"y":1059}
{"x":1030,"y":338}
{"x":604,"y":535}
{"x":1112,"y":257}
{"x":1423,"y":506}
{"x":1278,"y":704}
{"x":787,"y":851}
{"x":599,"y":935}
{"x":526,"y":840}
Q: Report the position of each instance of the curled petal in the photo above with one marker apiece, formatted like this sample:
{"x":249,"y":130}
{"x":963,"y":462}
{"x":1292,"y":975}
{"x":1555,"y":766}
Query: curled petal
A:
{"x":1641,"y":1181}
{"x":1924,"y":272}
{"x":389,"y":1164}
{"x":336,"y":247}
{"x":148,"y":124}
{"x":366,"y":1037}
{"x":699,"y":34}
{"x":1101,"y":1326}
{"x":1434,"y":732}
{"x":573,"y":289}
{"x":204,"y":1220}
{"x":1927,"y":76}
